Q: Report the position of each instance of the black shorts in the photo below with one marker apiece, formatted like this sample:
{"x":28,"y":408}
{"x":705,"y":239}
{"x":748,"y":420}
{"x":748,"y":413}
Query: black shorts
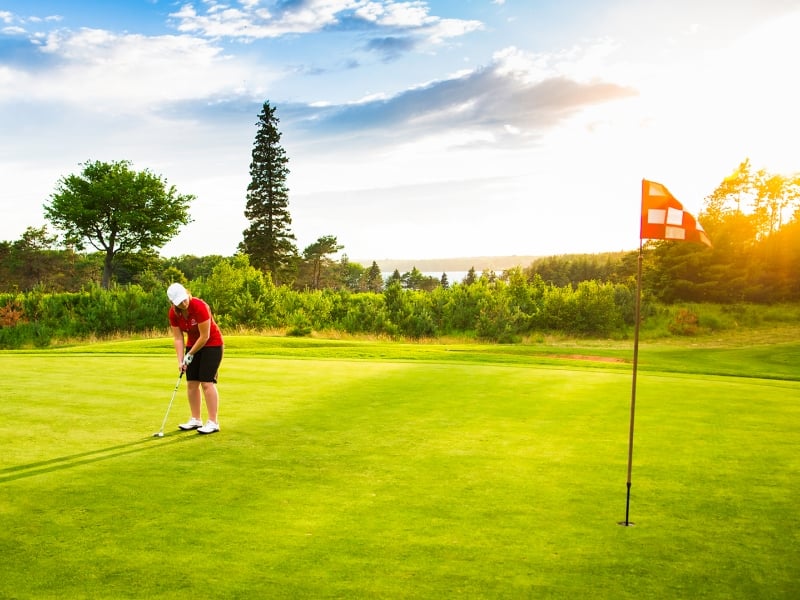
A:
{"x":205,"y":364}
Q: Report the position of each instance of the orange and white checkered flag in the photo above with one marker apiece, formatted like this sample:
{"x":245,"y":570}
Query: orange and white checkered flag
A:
{"x":663,"y":217}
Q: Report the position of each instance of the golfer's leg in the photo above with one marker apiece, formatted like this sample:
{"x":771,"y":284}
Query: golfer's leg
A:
{"x":195,"y":399}
{"x":212,"y":399}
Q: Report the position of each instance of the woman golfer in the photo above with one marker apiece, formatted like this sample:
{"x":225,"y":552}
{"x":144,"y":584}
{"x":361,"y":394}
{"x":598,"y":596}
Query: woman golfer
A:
{"x":199,"y":356}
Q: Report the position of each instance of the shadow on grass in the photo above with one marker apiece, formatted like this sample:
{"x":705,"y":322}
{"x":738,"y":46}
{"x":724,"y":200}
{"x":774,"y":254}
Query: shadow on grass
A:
{"x":84,"y":458}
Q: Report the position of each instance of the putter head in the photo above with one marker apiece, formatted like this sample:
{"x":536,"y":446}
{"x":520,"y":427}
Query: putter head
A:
{"x":158,"y":434}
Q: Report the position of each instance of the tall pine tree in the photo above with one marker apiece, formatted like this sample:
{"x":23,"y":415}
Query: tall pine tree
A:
{"x":268,"y":241}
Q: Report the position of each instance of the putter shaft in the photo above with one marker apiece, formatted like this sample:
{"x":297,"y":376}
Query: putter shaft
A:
{"x":160,"y":432}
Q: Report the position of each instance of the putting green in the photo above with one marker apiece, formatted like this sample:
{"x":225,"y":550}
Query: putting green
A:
{"x":393,"y":476}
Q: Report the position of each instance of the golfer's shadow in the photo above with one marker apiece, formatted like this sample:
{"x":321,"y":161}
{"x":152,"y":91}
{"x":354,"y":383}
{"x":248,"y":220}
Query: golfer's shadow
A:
{"x":92,"y":456}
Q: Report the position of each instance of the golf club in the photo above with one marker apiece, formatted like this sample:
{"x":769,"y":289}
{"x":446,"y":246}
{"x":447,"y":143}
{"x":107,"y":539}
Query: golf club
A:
{"x":160,"y":432}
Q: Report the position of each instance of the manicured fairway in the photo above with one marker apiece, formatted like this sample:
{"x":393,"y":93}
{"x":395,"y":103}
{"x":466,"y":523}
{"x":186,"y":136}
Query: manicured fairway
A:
{"x":385,"y":473}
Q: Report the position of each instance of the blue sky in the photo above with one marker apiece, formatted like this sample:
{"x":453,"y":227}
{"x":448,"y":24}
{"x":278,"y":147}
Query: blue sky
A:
{"x":414,"y":129}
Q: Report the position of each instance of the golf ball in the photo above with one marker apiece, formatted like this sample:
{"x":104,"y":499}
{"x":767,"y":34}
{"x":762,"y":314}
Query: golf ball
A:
{"x":160,"y":434}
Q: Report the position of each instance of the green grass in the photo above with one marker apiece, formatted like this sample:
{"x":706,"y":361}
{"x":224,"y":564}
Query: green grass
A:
{"x":362,"y":469}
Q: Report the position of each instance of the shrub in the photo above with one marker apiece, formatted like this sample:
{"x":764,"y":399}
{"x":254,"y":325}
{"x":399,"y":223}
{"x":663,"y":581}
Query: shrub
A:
{"x":11,"y":313}
{"x":499,"y":320}
{"x":685,"y":322}
{"x":366,"y":314}
{"x":300,"y":325}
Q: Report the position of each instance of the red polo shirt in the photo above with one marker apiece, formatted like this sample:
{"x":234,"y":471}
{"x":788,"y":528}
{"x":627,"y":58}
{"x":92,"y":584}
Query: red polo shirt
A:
{"x":198,"y":313}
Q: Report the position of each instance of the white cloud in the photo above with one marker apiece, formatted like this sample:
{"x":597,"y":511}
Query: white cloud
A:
{"x":251,"y":22}
{"x":396,"y":14}
{"x":444,"y":29}
{"x":226,"y":22}
{"x":10,"y":18}
{"x":129,"y":72}
{"x":586,"y":62}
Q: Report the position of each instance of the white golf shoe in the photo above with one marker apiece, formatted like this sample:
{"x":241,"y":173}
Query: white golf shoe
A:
{"x":209,"y":427}
{"x":191,"y":424}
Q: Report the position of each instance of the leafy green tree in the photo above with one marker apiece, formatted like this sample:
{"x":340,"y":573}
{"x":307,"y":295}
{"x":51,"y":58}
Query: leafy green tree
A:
{"x":571,"y":269}
{"x":116,"y":210}
{"x":461,"y":306}
{"x":745,"y":217}
{"x":776,"y":199}
{"x":766,"y":200}
{"x":350,"y":275}
{"x":373,"y":279}
{"x":239,"y":294}
{"x":268,"y":241}
{"x":172,"y":275}
{"x":413,"y":279}
{"x":315,"y":257}
{"x":521,"y":293}
{"x":781,"y":255}
{"x":417,"y":280}
{"x":128,"y":266}
{"x":499,"y":320}
{"x":34,"y":260}
{"x":731,"y":196}
{"x":193,"y":267}
{"x":471,"y":277}
{"x":430,"y":283}
{"x":366,"y":314}
{"x":409,"y":311}
{"x":489,"y":276}
{"x":6,"y":270}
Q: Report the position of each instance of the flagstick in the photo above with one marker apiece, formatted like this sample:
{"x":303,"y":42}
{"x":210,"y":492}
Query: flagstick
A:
{"x":627,"y":522}
{"x":662,"y":218}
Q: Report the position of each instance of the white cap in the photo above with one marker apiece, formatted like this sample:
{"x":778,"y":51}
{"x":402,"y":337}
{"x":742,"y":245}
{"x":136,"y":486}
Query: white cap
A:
{"x":177,"y":293}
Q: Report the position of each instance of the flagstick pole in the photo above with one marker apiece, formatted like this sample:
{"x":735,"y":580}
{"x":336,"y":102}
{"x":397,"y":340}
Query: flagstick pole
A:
{"x":627,"y":522}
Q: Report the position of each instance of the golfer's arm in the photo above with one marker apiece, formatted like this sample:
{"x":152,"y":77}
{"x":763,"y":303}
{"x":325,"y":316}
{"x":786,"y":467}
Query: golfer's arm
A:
{"x":177,"y":341}
{"x":205,"y":333}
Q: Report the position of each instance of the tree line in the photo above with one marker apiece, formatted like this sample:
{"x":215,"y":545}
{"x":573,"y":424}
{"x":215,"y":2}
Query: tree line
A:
{"x":244,"y":297}
{"x":754,"y":259}
{"x":505,"y":308}
{"x":110,"y":222}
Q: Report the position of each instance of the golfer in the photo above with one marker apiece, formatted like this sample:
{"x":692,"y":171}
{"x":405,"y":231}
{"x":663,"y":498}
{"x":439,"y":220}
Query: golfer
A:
{"x":199,"y":356}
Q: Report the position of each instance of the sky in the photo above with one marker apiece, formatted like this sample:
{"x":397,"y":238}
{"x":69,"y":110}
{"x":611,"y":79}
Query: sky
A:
{"x":414,"y":129}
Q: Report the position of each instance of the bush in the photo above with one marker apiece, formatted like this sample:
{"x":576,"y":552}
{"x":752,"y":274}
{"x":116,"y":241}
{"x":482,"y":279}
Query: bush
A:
{"x":366,"y":314}
{"x":300,"y":325}
{"x":499,"y":320}
{"x":684,"y":323}
{"x":11,"y":313}
{"x":495,"y":310}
